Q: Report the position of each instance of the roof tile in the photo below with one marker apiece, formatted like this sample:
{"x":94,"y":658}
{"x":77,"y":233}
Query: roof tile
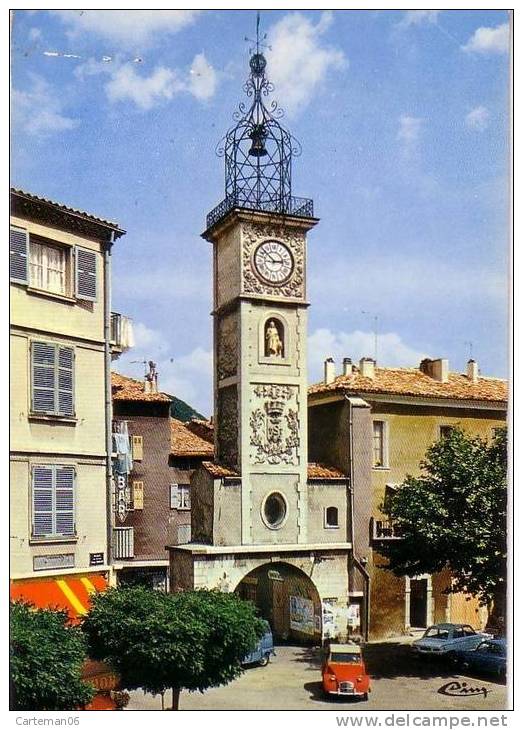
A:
{"x":127,"y":389}
{"x":186,"y":443}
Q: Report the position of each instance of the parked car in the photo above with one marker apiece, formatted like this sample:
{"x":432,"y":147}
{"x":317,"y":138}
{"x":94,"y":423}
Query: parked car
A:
{"x":262,"y":653}
{"x":445,"y":639}
{"x":490,"y":656}
{"x":344,"y":673}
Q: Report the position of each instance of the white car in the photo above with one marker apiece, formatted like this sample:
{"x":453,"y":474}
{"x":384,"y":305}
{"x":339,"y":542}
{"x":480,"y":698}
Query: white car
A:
{"x":446,"y":639}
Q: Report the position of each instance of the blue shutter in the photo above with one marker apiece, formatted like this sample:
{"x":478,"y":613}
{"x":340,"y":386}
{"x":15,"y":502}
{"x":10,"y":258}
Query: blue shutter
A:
{"x":66,"y":381}
{"x":64,"y":500}
{"x":42,"y":498}
{"x":85,"y":274}
{"x":43,"y":358}
{"x":18,"y":247}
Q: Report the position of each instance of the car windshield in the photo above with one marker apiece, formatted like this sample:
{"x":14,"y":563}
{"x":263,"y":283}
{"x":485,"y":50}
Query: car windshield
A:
{"x":436,"y":632}
{"x":345,"y":657}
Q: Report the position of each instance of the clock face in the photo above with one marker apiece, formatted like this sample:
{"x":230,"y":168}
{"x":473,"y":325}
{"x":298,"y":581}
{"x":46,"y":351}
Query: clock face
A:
{"x":273,"y":262}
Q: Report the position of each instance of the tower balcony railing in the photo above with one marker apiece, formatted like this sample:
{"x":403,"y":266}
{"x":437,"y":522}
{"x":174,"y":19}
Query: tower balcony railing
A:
{"x":299,"y":207}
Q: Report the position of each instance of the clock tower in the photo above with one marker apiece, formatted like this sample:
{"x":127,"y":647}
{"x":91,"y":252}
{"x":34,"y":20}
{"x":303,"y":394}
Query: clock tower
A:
{"x":264,"y":522}
{"x":260,"y":321}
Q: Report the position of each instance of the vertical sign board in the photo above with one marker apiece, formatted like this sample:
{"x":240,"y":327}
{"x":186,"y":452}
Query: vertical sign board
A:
{"x":301,"y":614}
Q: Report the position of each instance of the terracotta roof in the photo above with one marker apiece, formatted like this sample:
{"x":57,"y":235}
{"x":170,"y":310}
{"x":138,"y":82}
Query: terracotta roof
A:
{"x":202,"y":428}
{"x":186,"y":443}
{"x":321,"y":471}
{"x":218,"y":470}
{"x":125,"y":388}
{"x":411,"y":381}
{"x":68,"y":209}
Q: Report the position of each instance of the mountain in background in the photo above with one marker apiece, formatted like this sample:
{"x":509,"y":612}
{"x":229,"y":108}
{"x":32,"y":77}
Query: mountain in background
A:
{"x":183,"y":411}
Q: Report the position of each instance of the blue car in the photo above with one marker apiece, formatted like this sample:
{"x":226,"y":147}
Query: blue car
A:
{"x":447,"y":640}
{"x":490,"y":657}
{"x":262,"y":653}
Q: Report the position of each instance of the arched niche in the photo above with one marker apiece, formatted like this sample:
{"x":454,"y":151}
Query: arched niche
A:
{"x":274,"y":339}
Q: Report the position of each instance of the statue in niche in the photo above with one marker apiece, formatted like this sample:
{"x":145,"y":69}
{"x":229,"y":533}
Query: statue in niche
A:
{"x":273,"y":340}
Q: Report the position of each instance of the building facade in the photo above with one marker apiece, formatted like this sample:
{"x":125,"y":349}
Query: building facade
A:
{"x":61,"y":343}
{"x":408,"y":409}
{"x":265,"y":522}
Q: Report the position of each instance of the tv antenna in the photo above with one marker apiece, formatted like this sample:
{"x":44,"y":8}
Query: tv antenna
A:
{"x":471,"y":349}
{"x":375,"y":318}
{"x":143,"y":362}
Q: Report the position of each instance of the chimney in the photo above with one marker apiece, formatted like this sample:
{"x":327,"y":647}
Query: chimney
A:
{"x":436,"y":369}
{"x":367,"y":367}
{"x":329,"y":370}
{"x":440,"y":370}
{"x":472,"y":371}
{"x":347,"y":366}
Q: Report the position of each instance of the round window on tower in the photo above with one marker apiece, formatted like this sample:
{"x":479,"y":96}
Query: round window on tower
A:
{"x":274,"y":510}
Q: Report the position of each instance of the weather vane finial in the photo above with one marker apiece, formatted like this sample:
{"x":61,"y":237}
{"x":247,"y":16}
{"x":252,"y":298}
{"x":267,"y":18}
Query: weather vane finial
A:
{"x":258,"y":43}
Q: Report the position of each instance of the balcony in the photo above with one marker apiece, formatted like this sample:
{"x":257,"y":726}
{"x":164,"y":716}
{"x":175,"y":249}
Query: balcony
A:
{"x":385,"y":530}
{"x":122,"y":337}
{"x":289,"y":205}
{"x":123,"y":543}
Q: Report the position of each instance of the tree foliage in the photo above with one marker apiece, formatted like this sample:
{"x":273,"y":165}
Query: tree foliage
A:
{"x":46,"y":657}
{"x":455,"y":515}
{"x":192,"y":640}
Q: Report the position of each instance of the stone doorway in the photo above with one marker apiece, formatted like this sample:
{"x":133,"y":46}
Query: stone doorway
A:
{"x":418,"y":603}
{"x":288,"y":599}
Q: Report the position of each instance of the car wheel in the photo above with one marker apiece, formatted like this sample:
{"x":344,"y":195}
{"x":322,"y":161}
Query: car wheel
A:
{"x":264,"y":660}
{"x":365,"y":697}
{"x":453,"y":658}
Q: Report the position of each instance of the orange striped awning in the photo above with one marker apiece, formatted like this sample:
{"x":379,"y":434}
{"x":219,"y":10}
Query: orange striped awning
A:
{"x":71,"y":593}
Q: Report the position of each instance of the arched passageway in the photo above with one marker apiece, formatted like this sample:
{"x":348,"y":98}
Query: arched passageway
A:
{"x":287,"y":598}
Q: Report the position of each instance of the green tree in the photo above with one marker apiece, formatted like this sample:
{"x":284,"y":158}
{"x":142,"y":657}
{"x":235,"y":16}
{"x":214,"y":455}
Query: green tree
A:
{"x":455,"y":516}
{"x":191,"y":640}
{"x":46,"y":657}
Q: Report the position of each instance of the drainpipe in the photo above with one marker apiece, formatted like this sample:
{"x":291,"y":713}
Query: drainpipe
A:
{"x":108,"y":396}
{"x":355,"y":560}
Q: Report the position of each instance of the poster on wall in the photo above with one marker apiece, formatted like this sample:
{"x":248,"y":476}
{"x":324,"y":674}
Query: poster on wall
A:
{"x":301,"y":614}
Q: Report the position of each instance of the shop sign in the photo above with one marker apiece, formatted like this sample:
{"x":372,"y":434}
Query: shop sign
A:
{"x":50,"y":562}
{"x":274,"y":575}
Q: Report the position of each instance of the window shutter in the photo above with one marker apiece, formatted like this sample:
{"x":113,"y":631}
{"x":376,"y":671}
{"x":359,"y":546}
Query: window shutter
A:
{"x":65,"y":381}
{"x":85,"y":274}
{"x":18,"y":245}
{"x":43,"y":377}
{"x":175,"y":496}
{"x":137,"y":446}
{"x":64,"y":500}
{"x":138,"y":495}
{"x":42,"y":501}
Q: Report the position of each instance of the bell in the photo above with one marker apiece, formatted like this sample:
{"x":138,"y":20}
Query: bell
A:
{"x":258,"y":142}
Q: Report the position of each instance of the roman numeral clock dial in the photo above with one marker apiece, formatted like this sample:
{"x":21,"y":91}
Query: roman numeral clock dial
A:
{"x":273,"y":262}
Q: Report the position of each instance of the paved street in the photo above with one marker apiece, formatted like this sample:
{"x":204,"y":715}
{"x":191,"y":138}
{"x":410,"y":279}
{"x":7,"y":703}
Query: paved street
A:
{"x":292,"y":682}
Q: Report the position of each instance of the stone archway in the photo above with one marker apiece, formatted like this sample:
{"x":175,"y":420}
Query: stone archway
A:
{"x":287,"y":598}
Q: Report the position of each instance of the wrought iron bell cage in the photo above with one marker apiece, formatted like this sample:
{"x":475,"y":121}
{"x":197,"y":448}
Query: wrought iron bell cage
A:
{"x":258,"y":154}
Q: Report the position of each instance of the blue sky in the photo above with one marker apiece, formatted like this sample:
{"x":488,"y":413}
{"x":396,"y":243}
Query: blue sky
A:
{"x":404,"y":125}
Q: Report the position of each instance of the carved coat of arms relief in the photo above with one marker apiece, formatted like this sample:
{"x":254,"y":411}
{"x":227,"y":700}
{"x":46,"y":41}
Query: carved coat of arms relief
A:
{"x":274,"y":425}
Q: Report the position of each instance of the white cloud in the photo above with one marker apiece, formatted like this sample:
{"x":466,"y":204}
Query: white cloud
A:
{"x":392,"y":351}
{"x":478,"y":118}
{"x":38,"y":111}
{"x":418,"y":17}
{"x":409,"y":134}
{"x":203,"y":78}
{"x":298,"y":61}
{"x":162,"y":84}
{"x":127,"y":26}
{"x":144,"y":91}
{"x":187,"y":376}
{"x":488,"y":40}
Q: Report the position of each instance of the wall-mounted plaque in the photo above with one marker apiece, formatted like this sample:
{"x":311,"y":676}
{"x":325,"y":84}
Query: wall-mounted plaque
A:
{"x":52,"y":562}
{"x":96,"y":558}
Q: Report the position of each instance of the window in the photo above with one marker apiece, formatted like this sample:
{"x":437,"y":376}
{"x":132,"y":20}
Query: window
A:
{"x":380,"y":456}
{"x":180,"y":496}
{"x":137,"y":442}
{"x":53,"y":501}
{"x":274,"y":510}
{"x":445,"y":431}
{"x":52,"y":382}
{"x":48,"y":266}
{"x":137,"y":495}
{"x":331,"y":517}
